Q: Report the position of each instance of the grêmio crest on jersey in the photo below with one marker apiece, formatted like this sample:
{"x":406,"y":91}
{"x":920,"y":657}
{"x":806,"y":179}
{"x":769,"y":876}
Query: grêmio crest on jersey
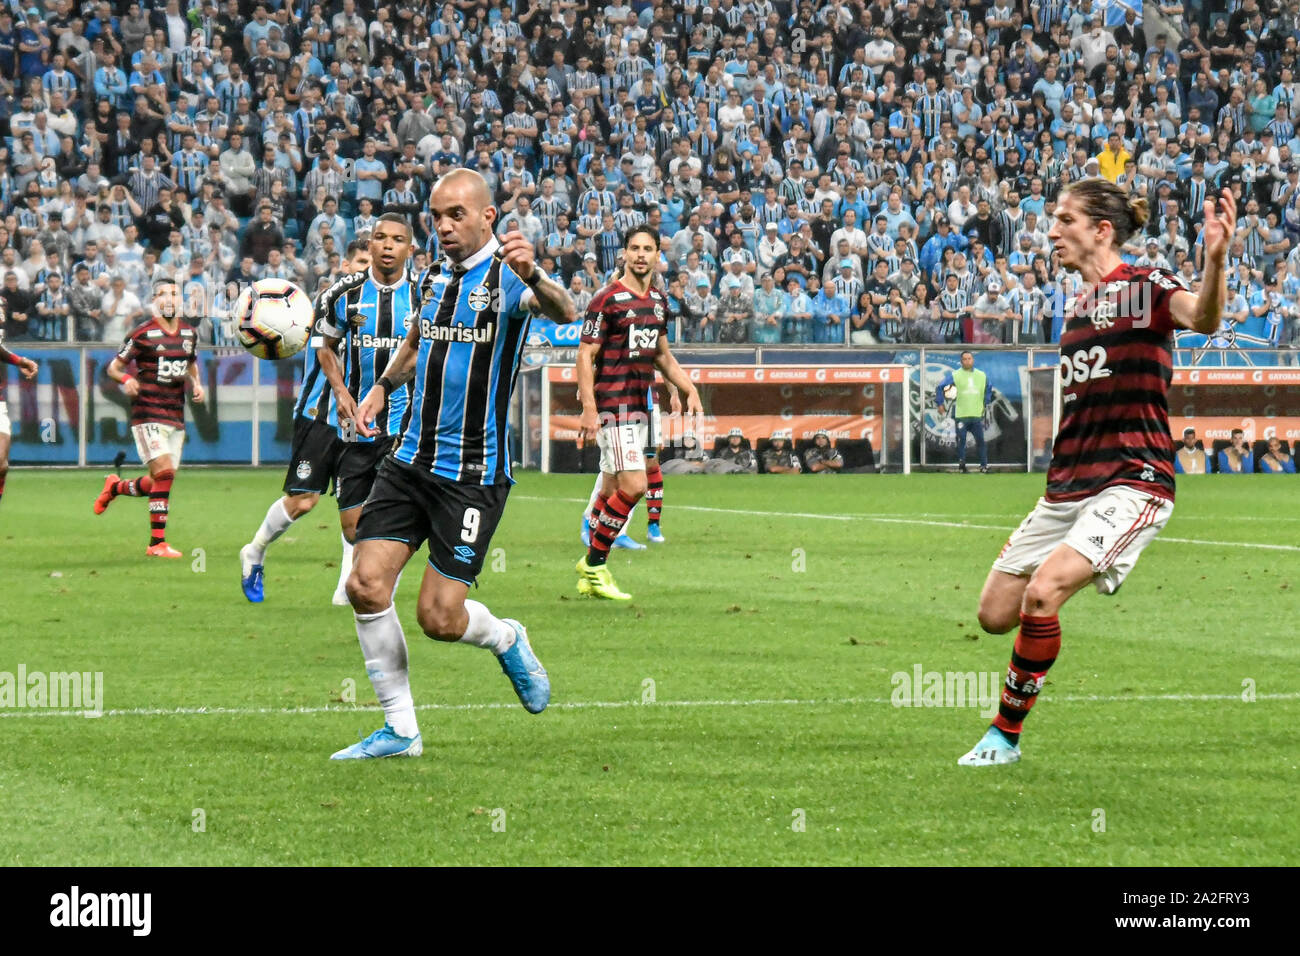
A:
{"x":443,"y":326}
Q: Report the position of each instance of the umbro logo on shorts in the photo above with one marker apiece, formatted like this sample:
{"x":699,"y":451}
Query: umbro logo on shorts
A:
{"x":464,"y":553}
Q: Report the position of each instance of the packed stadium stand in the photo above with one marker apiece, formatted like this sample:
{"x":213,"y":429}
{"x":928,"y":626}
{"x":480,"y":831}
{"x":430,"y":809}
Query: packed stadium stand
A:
{"x":838,"y":173}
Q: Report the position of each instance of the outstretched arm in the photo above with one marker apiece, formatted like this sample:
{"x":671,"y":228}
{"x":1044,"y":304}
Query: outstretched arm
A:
{"x":25,"y":365}
{"x":1201,"y":312}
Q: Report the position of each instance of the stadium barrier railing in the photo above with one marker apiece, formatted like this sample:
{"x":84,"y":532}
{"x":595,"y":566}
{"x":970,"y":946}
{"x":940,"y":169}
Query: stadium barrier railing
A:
{"x":73,"y":415}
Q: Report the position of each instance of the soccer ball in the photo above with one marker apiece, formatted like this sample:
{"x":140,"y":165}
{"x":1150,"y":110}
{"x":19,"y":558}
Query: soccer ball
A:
{"x":273,"y":318}
{"x":950,"y":392}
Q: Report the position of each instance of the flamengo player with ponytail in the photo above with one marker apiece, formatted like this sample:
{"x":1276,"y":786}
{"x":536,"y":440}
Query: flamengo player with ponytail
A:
{"x":28,"y":369}
{"x":1110,"y":488}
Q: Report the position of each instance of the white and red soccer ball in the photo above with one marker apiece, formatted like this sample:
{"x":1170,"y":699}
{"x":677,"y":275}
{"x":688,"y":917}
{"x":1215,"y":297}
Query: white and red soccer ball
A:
{"x":273,"y":319}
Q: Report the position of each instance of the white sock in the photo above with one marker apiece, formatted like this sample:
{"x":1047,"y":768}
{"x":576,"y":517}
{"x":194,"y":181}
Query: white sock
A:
{"x":384,"y":646}
{"x":345,"y":566}
{"x":595,"y":493}
{"x":484,"y":630}
{"x":275,"y":523}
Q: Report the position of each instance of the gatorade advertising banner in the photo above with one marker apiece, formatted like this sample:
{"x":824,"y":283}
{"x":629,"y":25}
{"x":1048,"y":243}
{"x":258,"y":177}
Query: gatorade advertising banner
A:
{"x":1263,"y":403}
{"x":848,"y":403}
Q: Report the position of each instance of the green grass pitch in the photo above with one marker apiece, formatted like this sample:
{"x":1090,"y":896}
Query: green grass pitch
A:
{"x":736,"y":712}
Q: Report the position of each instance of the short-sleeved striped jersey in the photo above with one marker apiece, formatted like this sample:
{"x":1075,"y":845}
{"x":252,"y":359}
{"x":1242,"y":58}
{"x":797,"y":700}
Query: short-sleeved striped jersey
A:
{"x":473,"y":322}
{"x":315,"y":398}
{"x":161,"y":360}
{"x":627,"y":328}
{"x":383,"y":314}
{"x":1116,"y":366}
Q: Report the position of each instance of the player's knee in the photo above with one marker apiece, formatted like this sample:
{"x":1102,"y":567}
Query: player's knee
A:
{"x":296,"y":506}
{"x":1043,"y":596}
{"x":366,"y":591}
{"x":441,"y":622}
{"x":632,"y":484}
{"x":997,"y":620}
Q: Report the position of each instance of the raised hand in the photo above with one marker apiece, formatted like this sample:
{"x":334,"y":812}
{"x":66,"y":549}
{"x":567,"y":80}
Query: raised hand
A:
{"x":1219,"y":226}
{"x":517,"y":253}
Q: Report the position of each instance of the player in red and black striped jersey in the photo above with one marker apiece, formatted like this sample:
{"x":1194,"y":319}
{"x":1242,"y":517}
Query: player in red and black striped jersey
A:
{"x":1116,"y":366}
{"x":163,"y":350}
{"x":623,"y":341}
{"x":28,"y":369}
{"x":1110,"y":488}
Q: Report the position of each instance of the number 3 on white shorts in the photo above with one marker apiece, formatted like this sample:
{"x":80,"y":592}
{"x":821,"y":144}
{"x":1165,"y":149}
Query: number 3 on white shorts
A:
{"x":469,"y":533}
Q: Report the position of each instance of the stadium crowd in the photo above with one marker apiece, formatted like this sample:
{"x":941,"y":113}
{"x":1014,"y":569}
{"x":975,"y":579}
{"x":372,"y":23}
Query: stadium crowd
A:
{"x":831,"y":172}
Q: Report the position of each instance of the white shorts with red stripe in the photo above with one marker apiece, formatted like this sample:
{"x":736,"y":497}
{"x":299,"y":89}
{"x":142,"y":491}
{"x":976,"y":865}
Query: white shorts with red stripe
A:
{"x":154,"y":439}
{"x":622,"y":447}
{"x":1110,"y":529}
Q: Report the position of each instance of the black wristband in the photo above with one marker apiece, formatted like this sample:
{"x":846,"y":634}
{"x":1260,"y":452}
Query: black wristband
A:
{"x":533,"y":280}
{"x":387,"y":385}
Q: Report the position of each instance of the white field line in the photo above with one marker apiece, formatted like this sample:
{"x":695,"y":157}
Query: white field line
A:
{"x":890,"y":518}
{"x":602,"y":705}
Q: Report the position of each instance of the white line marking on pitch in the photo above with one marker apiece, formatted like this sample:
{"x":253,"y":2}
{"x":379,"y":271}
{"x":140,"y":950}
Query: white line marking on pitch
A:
{"x":893,"y":519}
{"x":601,"y":705}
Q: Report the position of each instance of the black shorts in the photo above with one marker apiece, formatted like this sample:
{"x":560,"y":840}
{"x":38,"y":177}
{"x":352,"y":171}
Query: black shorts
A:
{"x":314,"y":458}
{"x":358,"y":465}
{"x":457,"y":519}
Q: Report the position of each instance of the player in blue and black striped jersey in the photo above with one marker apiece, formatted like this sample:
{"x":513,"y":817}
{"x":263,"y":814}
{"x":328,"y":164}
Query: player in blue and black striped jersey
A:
{"x":313,"y":458}
{"x":363,"y":319}
{"x":447,"y":480}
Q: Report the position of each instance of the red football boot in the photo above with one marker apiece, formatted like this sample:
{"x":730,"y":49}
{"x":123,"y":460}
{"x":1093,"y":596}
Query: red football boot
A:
{"x":107,"y":495}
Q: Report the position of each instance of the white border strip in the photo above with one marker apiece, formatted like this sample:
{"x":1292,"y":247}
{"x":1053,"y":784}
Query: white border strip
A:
{"x":913,"y":520}
{"x":605,"y":705}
